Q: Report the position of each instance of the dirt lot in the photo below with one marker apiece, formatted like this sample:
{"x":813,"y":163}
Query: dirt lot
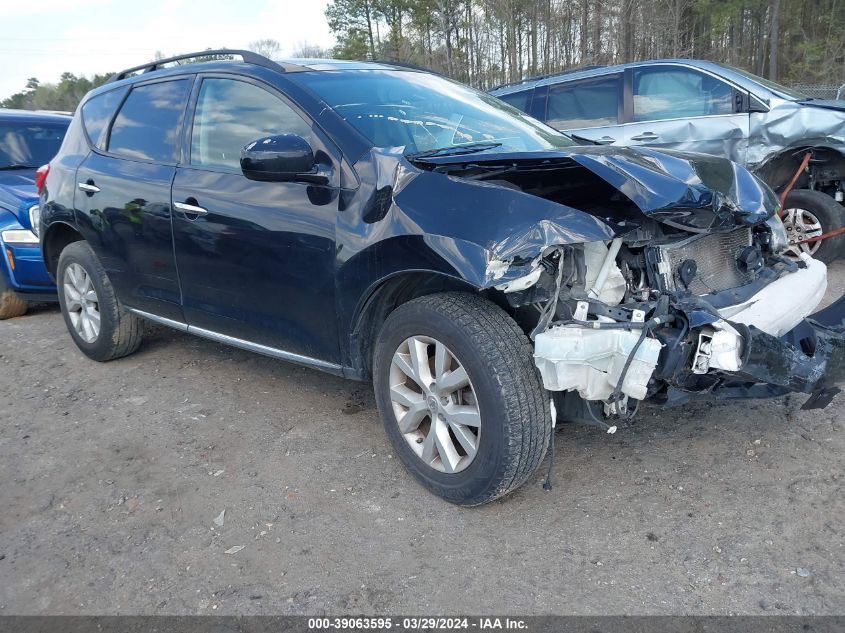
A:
{"x":115,"y":473}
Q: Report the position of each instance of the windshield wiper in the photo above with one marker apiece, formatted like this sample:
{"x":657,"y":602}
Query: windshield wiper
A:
{"x":453,"y":150}
{"x":17,"y":166}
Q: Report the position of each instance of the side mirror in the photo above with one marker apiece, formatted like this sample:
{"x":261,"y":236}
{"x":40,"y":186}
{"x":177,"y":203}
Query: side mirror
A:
{"x":282,"y":158}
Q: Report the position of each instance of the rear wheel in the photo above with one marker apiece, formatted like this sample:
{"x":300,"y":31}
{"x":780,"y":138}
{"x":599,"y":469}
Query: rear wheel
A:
{"x":460,"y":397}
{"x":98,"y":323}
{"x":10,"y":304}
{"x":807,"y":214}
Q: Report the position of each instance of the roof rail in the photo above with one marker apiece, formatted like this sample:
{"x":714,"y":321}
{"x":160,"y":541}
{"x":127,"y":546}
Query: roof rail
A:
{"x":548,"y":76}
{"x":249,"y":57}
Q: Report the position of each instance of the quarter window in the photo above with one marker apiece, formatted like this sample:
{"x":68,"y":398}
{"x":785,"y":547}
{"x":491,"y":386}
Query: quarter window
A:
{"x":231,"y":114}
{"x":676,"y":93}
{"x":98,"y":111}
{"x":588,"y":103}
{"x":148,"y":124}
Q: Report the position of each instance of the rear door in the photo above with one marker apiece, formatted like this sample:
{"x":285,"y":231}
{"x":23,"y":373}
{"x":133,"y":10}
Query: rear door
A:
{"x":672,"y":106}
{"x":590,"y":108}
{"x":123,"y":195}
{"x":257,"y":262}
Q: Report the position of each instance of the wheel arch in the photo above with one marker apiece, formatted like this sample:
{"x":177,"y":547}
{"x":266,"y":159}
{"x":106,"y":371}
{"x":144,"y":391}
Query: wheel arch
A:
{"x":56,"y":238}
{"x":828,"y":163}
{"x":382,"y":298}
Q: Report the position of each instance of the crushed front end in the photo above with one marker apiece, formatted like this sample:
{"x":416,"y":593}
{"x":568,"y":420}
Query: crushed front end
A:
{"x":665,"y":315}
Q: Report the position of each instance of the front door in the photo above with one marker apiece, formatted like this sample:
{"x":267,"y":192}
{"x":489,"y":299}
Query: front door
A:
{"x":255,"y":259}
{"x":676,"y":107}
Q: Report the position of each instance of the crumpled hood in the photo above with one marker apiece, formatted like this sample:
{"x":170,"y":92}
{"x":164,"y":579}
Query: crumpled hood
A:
{"x":18,"y":193}
{"x":696,"y":192}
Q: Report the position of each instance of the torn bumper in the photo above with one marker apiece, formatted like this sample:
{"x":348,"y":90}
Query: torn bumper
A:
{"x":768,"y":339}
{"x":808,"y":359}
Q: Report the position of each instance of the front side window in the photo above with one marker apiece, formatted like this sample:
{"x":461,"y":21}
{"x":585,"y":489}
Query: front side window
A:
{"x":518,"y":100}
{"x":676,"y":93}
{"x":231,"y":114}
{"x":29,"y":145}
{"x":148,"y":124}
{"x":589,"y":103}
{"x":421,"y":112}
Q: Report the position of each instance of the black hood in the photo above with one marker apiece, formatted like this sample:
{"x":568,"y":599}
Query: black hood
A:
{"x":696,"y":192}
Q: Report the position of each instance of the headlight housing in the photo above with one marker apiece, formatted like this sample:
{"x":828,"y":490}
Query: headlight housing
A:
{"x":35,"y":218}
{"x":780,"y":241}
{"x":19,"y":236}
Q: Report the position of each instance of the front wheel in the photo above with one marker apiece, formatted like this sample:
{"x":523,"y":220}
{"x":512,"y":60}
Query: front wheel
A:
{"x":808,"y":213}
{"x":460,"y":397}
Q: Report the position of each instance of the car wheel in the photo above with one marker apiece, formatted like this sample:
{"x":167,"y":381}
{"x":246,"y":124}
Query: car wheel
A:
{"x":808,"y":213}
{"x":99,"y":325}
{"x":10,"y":304}
{"x":460,"y":397}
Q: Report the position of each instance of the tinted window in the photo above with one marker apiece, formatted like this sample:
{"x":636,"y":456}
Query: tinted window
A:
{"x":518,"y":99}
{"x":584,"y":104}
{"x":673,"y":93}
{"x":147,"y":125}
{"x":230,"y":114}
{"x":29,"y":144}
{"x":98,"y":111}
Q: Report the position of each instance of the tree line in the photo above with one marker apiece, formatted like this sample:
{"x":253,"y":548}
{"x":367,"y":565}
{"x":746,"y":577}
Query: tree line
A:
{"x":488,"y":42}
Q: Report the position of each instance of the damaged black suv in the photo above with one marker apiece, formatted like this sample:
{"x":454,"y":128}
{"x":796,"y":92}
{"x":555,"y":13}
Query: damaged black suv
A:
{"x":382,"y":223}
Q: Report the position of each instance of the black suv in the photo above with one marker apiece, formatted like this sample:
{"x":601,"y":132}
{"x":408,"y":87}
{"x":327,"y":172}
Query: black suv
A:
{"x":380,"y":222}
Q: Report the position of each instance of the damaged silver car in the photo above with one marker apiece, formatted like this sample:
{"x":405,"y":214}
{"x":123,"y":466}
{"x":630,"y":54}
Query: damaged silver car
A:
{"x":793,"y":142}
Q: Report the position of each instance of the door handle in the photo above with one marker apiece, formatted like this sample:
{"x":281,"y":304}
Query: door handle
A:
{"x":645,"y":136}
{"x":190,"y":209}
{"x":88,"y":187}
{"x":605,"y":140}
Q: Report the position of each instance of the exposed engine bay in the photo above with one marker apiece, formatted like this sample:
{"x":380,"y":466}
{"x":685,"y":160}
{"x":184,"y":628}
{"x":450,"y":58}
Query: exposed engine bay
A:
{"x":682,"y":302}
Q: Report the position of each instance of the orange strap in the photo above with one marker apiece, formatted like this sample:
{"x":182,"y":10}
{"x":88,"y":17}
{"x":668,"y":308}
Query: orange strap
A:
{"x":792,"y":182}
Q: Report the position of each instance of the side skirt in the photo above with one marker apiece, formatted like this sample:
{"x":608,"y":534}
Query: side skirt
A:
{"x":299,"y":359}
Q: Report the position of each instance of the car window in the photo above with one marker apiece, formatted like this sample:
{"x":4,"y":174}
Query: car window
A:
{"x":673,"y":93}
{"x":584,"y":103}
{"x":518,"y":100}
{"x":147,"y":125}
{"x":422,"y":112}
{"x":98,"y":111}
{"x":231,"y":114}
{"x":29,"y":144}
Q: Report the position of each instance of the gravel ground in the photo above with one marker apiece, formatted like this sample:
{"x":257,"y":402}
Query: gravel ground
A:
{"x":115,"y":473}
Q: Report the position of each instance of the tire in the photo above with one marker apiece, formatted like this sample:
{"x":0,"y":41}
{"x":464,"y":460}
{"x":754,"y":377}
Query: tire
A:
{"x":512,"y":406}
{"x":808,"y":212}
{"x":120,"y":332}
{"x":11,"y":305}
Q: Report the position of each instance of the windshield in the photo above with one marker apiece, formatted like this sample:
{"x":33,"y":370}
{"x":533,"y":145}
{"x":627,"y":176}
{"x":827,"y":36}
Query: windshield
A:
{"x":26,"y":144}
{"x":781,"y":91}
{"x":421,"y":112}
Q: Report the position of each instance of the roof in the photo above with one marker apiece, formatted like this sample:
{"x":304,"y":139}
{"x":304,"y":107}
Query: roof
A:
{"x":595,"y":71}
{"x":33,"y":115}
{"x":346,"y":64}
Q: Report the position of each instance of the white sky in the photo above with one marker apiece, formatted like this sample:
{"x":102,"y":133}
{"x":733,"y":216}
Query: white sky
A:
{"x":44,"y":38}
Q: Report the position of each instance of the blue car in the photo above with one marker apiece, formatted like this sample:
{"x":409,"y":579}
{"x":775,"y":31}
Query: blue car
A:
{"x":27,"y":141}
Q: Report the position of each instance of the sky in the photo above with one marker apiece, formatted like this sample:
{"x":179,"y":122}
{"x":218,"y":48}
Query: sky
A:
{"x":45,"y":38}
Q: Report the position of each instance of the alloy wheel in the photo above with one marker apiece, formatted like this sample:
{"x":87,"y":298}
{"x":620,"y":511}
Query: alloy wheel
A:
{"x":800,"y":225}
{"x":435,"y":404}
{"x":81,"y":302}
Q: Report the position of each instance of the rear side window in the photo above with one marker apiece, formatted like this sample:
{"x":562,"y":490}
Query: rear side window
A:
{"x":518,"y":100}
{"x":231,"y":114}
{"x":588,"y":103}
{"x":675,"y":93}
{"x":148,"y":124}
{"x":98,"y":111}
